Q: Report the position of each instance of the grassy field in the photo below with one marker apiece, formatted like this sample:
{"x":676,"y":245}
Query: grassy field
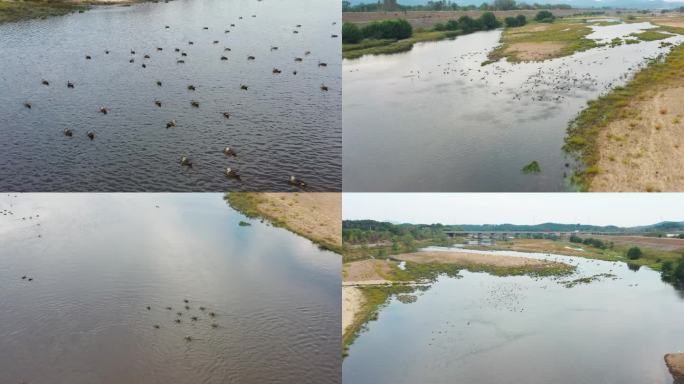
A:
{"x":583,"y":131}
{"x":652,"y":257}
{"x":380,"y":47}
{"x":11,"y":11}
{"x":567,"y":36}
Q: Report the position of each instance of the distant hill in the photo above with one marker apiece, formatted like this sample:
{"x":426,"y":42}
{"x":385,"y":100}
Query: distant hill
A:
{"x":629,"y":4}
{"x":665,"y":226}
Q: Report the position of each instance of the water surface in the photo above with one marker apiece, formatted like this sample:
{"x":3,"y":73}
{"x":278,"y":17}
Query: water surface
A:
{"x":487,"y":329}
{"x":97,"y":262}
{"x":435,"y":119}
{"x":282,"y":125}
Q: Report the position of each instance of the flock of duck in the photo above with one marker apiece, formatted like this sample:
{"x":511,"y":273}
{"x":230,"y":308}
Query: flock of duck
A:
{"x":186,"y":315}
{"x":230,"y":152}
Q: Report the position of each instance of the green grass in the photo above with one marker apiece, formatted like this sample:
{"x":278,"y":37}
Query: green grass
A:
{"x":382,"y":47}
{"x":651,"y":35}
{"x":11,"y":11}
{"x":571,"y":33}
{"x":531,"y":168}
{"x":583,"y":131}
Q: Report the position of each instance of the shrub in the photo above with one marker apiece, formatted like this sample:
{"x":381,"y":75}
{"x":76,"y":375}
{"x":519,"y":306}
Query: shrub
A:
{"x":440,"y":27}
{"x":351,"y":34}
{"x":522,"y":20}
{"x":388,"y":29}
{"x":511,"y":22}
{"x":452,"y":25}
{"x":544,"y":16}
{"x":489,"y":21}
{"x":467,"y":24}
{"x":634,"y":253}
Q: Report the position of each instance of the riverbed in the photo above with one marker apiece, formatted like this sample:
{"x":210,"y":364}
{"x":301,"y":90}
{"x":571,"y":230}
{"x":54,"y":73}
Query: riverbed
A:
{"x":280,"y":124}
{"x":435,"y":119}
{"x":79,"y":271}
{"x":487,"y":329}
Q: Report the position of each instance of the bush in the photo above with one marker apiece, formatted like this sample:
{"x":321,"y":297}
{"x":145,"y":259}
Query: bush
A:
{"x":575,"y":239}
{"x":544,"y":16}
{"x":511,"y":22}
{"x":467,"y":24}
{"x":351,"y":34}
{"x":452,"y":25}
{"x":388,"y":29}
{"x":489,"y":21}
{"x":634,"y":253}
{"x":440,"y":27}
{"x":522,"y":20}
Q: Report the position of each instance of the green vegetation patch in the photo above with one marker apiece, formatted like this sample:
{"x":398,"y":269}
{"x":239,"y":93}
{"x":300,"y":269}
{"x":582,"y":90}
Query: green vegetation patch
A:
{"x":588,"y":280}
{"x":651,"y":35}
{"x":388,"y":46}
{"x":583,"y":131}
{"x":11,"y":11}
{"x":244,"y":224}
{"x":570,"y":33}
{"x":531,"y":168}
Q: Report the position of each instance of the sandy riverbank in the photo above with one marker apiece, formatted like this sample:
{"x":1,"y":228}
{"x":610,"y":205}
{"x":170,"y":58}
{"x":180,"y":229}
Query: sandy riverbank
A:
{"x":466,"y":258}
{"x":352,"y":301}
{"x":316,"y":216}
{"x":675,"y":363}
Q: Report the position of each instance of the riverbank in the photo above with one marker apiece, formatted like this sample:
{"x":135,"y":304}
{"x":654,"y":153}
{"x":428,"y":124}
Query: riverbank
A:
{"x":675,"y":363}
{"x":631,"y":138}
{"x":17,"y":10}
{"x":316,"y":216}
{"x":369,"y":284}
{"x":388,"y":46}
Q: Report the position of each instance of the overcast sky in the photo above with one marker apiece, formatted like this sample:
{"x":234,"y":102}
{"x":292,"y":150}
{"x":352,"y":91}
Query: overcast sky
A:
{"x":619,"y":209}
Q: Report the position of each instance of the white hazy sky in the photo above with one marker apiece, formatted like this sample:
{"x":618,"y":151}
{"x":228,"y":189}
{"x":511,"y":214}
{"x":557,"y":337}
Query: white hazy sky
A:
{"x":622,"y":209}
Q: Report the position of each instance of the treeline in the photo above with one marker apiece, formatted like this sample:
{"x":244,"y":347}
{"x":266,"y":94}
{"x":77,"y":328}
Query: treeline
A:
{"x":596,"y":243}
{"x":385,"y":29}
{"x":487,"y":21}
{"x":447,"y":5}
{"x":371,"y":231}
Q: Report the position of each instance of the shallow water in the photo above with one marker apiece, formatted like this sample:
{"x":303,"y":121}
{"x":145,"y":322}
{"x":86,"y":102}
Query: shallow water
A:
{"x":282,"y":125}
{"x":487,"y":329}
{"x":98,"y":260}
{"x":434,"y":119}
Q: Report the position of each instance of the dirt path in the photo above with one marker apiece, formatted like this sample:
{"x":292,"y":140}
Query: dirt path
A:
{"x":645,"y":153}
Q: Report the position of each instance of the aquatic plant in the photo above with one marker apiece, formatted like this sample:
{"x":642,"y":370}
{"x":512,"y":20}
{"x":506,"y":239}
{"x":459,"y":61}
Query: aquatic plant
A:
{"x":244,"y":223}
{"x":531,"y":168}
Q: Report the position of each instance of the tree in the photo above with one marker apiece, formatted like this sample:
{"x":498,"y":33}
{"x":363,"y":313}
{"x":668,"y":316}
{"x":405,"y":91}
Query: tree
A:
{"x":504,"y":5}
{"x":452,"y":25}
{"x":351,"y":34}
{"x":544,"y":16}
{"x":634,"y":253}
{"x":489,"y":21}
{"x":679,"y":271}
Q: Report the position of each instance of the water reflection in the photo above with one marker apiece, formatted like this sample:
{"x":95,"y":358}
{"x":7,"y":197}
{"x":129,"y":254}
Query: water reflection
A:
{"x":486,"y":329}
{"x":435,"y":119}
{"x":98,"y":262}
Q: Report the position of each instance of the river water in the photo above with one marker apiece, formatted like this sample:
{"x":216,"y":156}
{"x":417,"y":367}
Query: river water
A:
{"x":97,"y":261}
{"x":487,"y":329}
{"x":435,"y":119}
{"x":283,"y":124}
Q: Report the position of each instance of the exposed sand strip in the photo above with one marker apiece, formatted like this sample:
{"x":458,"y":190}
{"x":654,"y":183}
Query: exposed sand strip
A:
{"x":645,"y":153}
{"x":352,"y":300}
{"x":535,"y":51}
{"x":466,"y":258}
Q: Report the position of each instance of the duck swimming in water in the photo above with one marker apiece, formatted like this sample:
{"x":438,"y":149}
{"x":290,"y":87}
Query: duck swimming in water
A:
{"x":146,"y":57}
{"x":276,"y":70}
{"x":27,"y":105}
{"x":191,"y":87}
{"x":68,"y":132}
{"x":70,"y":84}
{"x":91,"y":135}
{"x":88,"y":57}
{"x":171,"y":123}
{"x":223,"y":58}
{"x":157,"y":103}
{"x":232,"y":173}
{"x":322,"y":64}
{"x":131,"y":61}
{"x":298,"y":182}
{"x":243,"y":87}
{"x":228,"y":151}
{"x":159,"y":83}
{"x":104,"y":110}
{"x":45,"y":82}
{"x":185,"y":161}
{"x":298,"y":59}
{"x":226,"y":115}
{"x":251,"y":57}
{"x":324,"y":87}
{"x":195,"y":103}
